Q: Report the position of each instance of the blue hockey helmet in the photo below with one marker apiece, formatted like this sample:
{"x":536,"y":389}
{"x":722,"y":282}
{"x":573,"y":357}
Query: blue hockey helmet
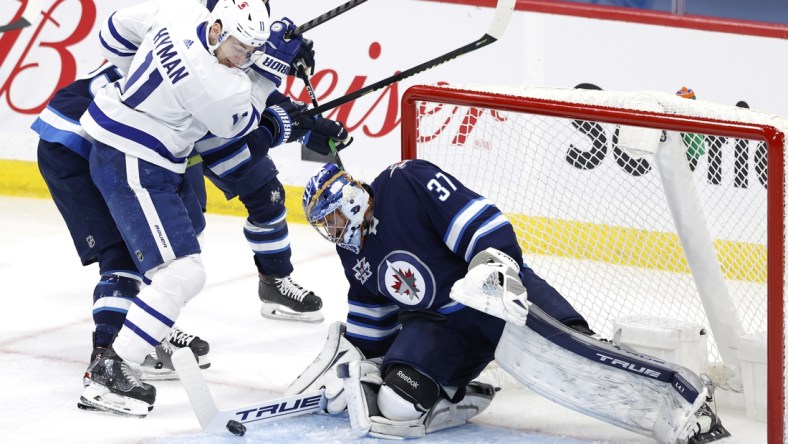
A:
{"x":331,"y":193}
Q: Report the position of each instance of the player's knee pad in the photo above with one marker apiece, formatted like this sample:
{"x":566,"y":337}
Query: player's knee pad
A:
{"x":265,"y":203}
{"x":180,"y":280}
{"x":406,"y":393}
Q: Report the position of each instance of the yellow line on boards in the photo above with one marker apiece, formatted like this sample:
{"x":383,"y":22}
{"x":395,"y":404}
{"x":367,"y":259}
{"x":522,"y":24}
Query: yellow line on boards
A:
{"x":22,"y":179}
{"x":538,"y":235}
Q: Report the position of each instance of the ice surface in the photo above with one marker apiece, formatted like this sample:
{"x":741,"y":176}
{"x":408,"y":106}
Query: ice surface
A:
{"x":46,"y":324}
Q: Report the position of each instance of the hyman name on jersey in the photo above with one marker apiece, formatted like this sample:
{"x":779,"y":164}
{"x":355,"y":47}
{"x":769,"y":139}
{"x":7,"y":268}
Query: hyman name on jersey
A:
{"x":168,"y":57}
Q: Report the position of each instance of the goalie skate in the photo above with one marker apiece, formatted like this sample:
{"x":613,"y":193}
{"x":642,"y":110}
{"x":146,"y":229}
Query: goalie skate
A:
{"x":112,"y":386}
{"x":284,"y":299}
{"x":158,"y":365}
{"x":708,"y":428}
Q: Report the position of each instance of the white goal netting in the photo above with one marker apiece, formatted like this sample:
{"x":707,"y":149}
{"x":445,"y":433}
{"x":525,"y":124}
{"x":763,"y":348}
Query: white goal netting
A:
{"x":628,"y":203}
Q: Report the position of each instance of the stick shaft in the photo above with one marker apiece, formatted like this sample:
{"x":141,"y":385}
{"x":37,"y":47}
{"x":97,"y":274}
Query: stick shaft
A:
{"x":324,"y":17}
{"x":484,"y":41}
{"x":503,"y":12}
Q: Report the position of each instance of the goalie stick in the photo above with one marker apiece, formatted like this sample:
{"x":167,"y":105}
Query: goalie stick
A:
{"x":32,"y":9}
{"x":212,"y":419}
{"x":503,"y":12}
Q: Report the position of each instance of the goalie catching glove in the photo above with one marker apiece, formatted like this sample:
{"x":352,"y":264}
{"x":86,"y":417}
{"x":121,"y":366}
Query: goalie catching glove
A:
{"x":286,"y":122}
{"x":493,"y":286}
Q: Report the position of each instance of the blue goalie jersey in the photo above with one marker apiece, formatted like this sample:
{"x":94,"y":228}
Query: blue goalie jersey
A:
{"x":426,"y":228}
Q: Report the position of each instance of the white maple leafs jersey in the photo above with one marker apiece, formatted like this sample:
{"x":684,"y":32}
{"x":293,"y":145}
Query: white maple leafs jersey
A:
{"x":175,"y":91}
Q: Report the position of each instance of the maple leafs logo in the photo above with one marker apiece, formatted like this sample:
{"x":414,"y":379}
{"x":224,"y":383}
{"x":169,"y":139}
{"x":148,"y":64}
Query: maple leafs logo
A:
{"x":405,"y":283}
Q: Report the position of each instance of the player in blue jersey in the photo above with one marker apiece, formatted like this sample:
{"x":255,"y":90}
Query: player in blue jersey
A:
{"x":437,"y":290}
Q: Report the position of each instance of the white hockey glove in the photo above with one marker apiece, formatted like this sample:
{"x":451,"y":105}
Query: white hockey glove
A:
{"x":322,"y":372}
{"x":492,"y":285}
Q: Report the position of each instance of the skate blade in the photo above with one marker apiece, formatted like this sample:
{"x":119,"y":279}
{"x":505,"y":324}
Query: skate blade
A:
{"x":94,"y":398}
{"x":280,"y":313}
{"x":146,"y":373}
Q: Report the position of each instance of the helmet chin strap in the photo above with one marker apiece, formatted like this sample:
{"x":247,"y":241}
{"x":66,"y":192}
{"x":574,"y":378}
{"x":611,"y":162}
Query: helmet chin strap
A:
{"x":219,"y":38}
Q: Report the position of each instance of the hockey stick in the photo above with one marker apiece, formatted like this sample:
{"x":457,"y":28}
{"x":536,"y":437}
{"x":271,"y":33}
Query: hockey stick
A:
{"x":301,"y":73}
{"x":324,"y":18}
{"x":28,"y":17}
{"x":212,"y":419}
{"x":503,"y":12}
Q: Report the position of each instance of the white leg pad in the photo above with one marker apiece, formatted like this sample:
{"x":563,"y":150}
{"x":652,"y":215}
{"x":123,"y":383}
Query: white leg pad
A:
{"x":172,"y":287}
{"x":617,"y":386}
{"x":362,"y":380}
{"x":445,"y":414}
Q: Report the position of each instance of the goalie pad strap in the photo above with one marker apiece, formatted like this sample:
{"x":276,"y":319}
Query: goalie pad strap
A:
{"x":362,"y":385}
{"x":631,"y":390}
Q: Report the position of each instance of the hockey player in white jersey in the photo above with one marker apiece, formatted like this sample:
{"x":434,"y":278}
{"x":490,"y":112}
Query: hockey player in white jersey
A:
{"x":184,"y":78}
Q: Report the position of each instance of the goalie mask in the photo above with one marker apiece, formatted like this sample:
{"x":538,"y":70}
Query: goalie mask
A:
{"x":335,"y":204}
{"x":245,"y":29}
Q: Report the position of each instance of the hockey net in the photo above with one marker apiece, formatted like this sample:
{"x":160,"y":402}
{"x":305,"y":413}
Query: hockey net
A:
{"x":629,"y":203}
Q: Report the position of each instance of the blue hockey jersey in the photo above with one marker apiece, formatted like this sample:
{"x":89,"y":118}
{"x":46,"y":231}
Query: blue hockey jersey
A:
{"x":59,"y":121}
{"x":426,"y":227}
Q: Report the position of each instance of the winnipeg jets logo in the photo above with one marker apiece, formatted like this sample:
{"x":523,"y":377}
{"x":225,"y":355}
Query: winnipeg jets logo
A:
{"x":405,"y":283}
{"x":362,"y":269}
{"x":403,"y":277}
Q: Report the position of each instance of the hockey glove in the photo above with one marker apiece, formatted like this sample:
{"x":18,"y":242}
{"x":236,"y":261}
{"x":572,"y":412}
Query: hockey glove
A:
{"x":305,"y":59}
{"x":492,"y":285}
{"x":286,"y":122}
{"x":326,"y":130}
{"x":281,"y":54}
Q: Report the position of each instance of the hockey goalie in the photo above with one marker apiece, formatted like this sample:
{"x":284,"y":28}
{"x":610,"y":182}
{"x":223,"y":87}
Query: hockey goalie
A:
{"x":438,"y":289}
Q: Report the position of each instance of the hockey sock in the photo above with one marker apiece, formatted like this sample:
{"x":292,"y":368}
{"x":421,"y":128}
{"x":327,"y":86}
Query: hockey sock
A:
{"x":111,"y":300}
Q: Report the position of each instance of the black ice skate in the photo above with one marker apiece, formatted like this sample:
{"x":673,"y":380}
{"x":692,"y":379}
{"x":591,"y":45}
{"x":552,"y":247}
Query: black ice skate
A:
{"x":709,"y":427}
{"x":158,"y":365}
{"x":112,"y":386}
{"x":284,"y":299}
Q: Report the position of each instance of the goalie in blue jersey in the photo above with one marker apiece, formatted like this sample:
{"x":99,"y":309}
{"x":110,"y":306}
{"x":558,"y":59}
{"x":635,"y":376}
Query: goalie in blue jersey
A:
{"x":437,"y":290}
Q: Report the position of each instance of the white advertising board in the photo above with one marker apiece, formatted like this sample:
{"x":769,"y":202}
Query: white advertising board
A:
{"x":380,"y":38}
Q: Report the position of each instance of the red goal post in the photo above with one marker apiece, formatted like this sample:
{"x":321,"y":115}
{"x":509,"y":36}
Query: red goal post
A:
{"x":598,"y":188}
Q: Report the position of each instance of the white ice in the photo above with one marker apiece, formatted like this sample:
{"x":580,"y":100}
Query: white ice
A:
{"x":46,"y":324}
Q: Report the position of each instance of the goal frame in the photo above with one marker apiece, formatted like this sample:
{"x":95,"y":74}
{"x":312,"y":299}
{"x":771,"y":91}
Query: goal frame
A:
{"x":771,"y":136}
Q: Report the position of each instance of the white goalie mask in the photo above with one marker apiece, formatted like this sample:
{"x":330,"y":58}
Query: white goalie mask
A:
{"x":335,"y":204}
{"x":245,"y":29}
